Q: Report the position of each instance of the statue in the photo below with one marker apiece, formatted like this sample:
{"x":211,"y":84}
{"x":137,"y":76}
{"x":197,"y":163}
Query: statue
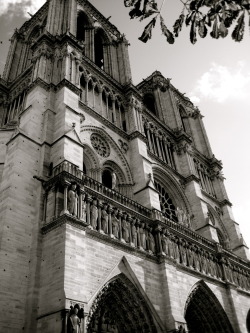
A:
{"x":113,"y":175}
{"x":134,"y":234}
{"x":104,"y":218}
{"x":142,"y":236}
{"x":151,"y":241}
{"x":74,"y":320}
{"x":179,"y":214}
{"x":125,"y":229}
{"x":115,"y":224}
{"x":94,"y":214}
{"x":84,"y":208}
{"x":72,"y":199}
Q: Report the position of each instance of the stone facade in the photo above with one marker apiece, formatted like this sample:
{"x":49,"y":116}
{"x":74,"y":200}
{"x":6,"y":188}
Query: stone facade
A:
{"x":114,"y":215}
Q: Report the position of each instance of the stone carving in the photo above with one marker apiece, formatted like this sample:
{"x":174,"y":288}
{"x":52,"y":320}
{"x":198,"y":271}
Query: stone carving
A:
{"x":134,"y":234}
{"x":115,"y":224}
{"x":94,"y":214}
{"x":142,"y":236}
{"x":125,"y":229}
{"x":114,"y":180}
{"x":100,"y":145}
{"x":72,"y":199}
{"x":104,"y":219}
{"x":123,"y":145}
{"x":74,"y":320}
{"x":150,"y":241}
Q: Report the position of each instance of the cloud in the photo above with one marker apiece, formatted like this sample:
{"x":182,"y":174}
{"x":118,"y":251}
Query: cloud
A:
{"x":20,"y":7}
{"x":221,"y":84}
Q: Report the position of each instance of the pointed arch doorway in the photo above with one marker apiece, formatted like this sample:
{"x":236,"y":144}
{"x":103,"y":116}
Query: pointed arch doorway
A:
{"x":120,"y":308}
{"x":204,"y":313}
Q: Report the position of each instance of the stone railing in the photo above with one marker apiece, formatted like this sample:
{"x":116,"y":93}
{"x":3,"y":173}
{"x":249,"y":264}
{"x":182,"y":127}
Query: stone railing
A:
{"x":72,"y":196}
{"x":96,"y":187}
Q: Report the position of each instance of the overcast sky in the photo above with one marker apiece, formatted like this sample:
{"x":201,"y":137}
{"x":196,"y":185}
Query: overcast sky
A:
{"x":214,"y":73}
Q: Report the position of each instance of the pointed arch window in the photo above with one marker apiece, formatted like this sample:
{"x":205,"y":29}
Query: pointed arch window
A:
{"x":167,"y":206}
{"x":149,"y":102}
{"x":82,"y":24}
{"x":99,"y":52}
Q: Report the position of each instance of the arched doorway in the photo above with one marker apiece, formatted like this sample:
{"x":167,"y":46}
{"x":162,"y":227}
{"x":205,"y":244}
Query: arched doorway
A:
{"x":204,"y":313}
{"x":120,"y":308}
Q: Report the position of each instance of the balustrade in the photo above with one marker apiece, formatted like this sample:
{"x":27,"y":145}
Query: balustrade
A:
{"x":82,"y":199}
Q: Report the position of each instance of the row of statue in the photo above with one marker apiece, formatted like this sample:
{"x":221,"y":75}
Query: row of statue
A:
{"x":119,"y":225}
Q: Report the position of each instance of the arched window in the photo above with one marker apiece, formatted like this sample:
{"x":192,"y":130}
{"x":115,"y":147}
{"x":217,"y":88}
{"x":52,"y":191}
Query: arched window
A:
{"x":149,"y":102}
{"x":82,"y":24}
{"x":167,"y":207}
{"x":107,"y":178}
{"x":99,"y":54}
{"x":123,"y":117}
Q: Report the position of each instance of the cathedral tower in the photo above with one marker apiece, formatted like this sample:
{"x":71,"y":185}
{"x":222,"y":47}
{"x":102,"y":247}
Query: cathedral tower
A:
{"x":113,"y":212}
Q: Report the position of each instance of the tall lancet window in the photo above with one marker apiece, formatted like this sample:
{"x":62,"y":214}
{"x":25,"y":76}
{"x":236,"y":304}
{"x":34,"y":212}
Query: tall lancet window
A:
{"x":99,"y":48}
{"x":82,"y":25}
{"x":149,"y":102}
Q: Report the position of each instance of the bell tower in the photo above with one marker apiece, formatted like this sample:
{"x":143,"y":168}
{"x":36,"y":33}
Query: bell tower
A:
{"x":111,"y":200}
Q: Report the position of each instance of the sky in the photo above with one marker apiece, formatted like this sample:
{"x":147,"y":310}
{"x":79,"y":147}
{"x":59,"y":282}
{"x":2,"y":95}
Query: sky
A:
{"x":215,"y":74}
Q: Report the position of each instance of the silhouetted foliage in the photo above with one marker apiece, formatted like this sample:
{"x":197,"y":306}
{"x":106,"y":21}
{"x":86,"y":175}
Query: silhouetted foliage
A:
{"x":200,"y":16}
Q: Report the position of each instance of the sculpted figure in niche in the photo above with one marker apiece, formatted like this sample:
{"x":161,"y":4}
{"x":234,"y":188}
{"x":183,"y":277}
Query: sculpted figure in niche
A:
{"x":151,"y":241}
{"x":104,"y":218}
{"x":142,"y":236}
{"x":114,"y":179}
{"x":115,"y":224}
{"x":83,"y":208}
{"x":125,"y":229}
{"x":72,"y":199}
{"x":74,"y":321}
{"x":134,"y":233}
{"x":94,"y":214}
{"x":179,"y":213}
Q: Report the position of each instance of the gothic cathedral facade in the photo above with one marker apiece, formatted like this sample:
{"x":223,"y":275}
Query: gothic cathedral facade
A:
{"x":113,"y":212}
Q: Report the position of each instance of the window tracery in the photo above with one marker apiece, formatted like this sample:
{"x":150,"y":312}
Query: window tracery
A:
{"x":100,"y":145}
{"x":167,"y":206}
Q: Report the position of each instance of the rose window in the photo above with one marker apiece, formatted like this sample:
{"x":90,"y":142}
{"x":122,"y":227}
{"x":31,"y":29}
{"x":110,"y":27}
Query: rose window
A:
{"x":100,"y":145}
{"x":167,"y":206}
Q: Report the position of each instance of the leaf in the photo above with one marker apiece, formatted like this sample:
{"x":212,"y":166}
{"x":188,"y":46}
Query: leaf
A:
{"x":202,"y":29}
{"x":223,"y":31}
{"x":178,"y":25}
{"x":238,"y":32}
{"x":215,"y":32}
{"x":147,"y":32}
{"x":150,"y":7}
{"x":136,"y":12}
{"x":193,"y":37}
{"x":231,"y":16}
{"x":166,"y":32}
{"x":129,"y":3}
